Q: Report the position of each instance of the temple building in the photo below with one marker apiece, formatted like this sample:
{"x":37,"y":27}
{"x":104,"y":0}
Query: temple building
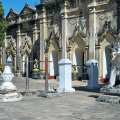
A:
{"x":75,"y":29}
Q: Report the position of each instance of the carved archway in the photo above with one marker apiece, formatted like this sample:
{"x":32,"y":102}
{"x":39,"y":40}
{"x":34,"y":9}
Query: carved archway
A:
{"x":26,"y":46}
{"x":79,"y":38}
{"x":25,"y":50}
{"x":105,"y":56}
{"x":11,"y":50}
{"x":11,"y":46}
{"x":77,"y":44}
{"x":53,"y":52}
{"x":106,"y":39}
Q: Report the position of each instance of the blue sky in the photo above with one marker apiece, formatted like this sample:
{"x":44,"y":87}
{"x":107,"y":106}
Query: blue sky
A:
{"x":17,"y":5}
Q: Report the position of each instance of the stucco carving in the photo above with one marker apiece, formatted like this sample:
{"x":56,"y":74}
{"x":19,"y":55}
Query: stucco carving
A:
{"x":11,"y":46}
{"x":26,"y":45}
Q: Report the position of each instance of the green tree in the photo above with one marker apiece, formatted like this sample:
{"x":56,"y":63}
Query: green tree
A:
{"x":2,"y":25}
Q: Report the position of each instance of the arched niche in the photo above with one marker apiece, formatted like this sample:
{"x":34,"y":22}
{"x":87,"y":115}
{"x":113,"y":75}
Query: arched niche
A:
{"x":77,"y":58}
{"x":11,"y":51}
{"x":53,"y":60}
{"x":77,"y":44}
{"x":105,"y":56}
{"x":106,"y":39}
{"x":26,"y":49}
{"x":25,"y":59}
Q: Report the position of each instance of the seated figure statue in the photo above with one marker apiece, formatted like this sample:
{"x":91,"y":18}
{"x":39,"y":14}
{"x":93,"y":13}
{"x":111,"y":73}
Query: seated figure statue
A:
{"x":35,"y":72}
{"x":35,"y":66}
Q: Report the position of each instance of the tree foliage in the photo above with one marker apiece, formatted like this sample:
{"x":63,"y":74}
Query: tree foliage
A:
{"x":2,"y":25}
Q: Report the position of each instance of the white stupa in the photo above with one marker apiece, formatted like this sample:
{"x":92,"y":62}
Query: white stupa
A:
{"x":7,"y":89}
{"x":7,"y":78}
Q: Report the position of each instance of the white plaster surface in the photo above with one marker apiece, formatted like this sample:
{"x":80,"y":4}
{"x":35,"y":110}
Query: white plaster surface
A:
{"x":65,"y":76}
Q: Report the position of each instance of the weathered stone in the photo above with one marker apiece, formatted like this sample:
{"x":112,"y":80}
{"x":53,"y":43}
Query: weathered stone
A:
{"x":109,"y":99}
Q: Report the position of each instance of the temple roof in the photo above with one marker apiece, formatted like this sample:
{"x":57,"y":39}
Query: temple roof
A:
{"x":52,"y":1}
{"x":12,"y":14}
{"x":27,"y":9}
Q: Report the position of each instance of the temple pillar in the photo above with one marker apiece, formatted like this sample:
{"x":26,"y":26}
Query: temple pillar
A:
{"x":64,"y":31}
{"x":35,"y":31}
{"x":43,"y":37}
{"x":35,"y":38}
{"x":92,"y":29}
{"x":85,"y":55}
{"x":18,"y":56}
{"x":92,"y":63}
{"x":59,"y":54}
{"x":65,"y":65}
{"x":93,"y":74}
{"x":70,"y":53}
{"x":100,"y":62}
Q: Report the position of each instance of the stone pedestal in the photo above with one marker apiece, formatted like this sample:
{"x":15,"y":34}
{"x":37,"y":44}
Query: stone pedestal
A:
{"x":8,"y":91}
{"x":93,"y":74}
{"x":35,"y":74}
{"x":65,"y":76}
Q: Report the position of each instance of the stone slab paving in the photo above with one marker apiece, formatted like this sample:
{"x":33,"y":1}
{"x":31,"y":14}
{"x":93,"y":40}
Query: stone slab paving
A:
{"x":37,"y":84}
{"x":77,"y":106}
{"x":34,"y":84}
{"x":80,"y":105}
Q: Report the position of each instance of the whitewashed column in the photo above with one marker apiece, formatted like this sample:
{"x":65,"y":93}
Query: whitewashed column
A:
{"x":18,"y":59}
{"x":65,"y":65}
{"x":92,"y":29}
{"x":43,"y":36}
{"x":100,"y":62}
{"x":35,"y":36}
{"x":92,"y":64}
{"x":35,"y":31}
{"x":64,"y":30}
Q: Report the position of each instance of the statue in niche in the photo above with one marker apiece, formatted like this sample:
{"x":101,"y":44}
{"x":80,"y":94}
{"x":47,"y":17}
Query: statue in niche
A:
{"x":82,"y":25}
{"x":35,"y":66}
{"x":36,"y":70}
{"x":107,"y":26}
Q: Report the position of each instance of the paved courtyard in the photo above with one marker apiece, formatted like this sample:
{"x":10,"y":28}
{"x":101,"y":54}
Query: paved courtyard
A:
{"x":80,"y":105}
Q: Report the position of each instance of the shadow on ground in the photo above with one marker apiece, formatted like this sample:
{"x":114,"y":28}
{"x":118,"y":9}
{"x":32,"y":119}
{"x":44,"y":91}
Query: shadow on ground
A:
{"x":84,"y":88}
